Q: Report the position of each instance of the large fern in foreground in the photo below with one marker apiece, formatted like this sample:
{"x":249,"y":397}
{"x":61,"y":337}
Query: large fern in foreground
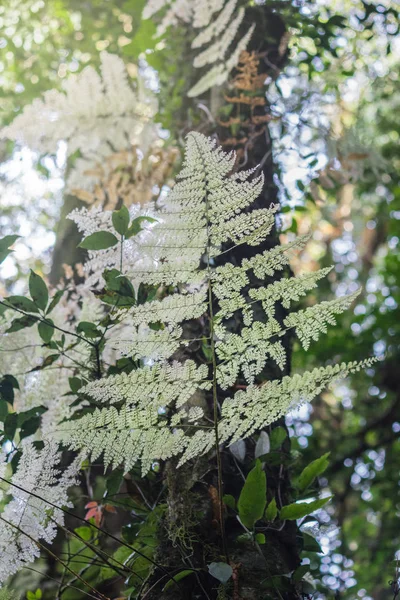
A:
{"x":167,"y":408}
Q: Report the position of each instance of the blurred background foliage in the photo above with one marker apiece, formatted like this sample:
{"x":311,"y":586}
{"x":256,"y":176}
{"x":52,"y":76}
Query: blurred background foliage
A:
{"x":335,"y":126}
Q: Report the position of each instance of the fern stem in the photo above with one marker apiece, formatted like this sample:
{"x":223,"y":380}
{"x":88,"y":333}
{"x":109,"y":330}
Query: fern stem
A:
{"x":215,"y":415}
{"x":214,"y":384}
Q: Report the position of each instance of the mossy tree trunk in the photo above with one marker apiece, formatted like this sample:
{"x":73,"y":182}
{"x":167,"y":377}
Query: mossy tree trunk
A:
{"x":190,"y":533}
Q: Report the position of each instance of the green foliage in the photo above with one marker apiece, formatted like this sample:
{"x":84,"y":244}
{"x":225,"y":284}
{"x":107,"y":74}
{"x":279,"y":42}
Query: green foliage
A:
{"x":277,"y":437}
{"x":23,"y":303}
{"x":271,"y":511}
{"x":46,"y":330}
{"x":101,"y":240}
{"x":301,"y":509}
{"x":38,"y":290}
{"x":311,"y":471}
{"x":252,"y":498}
{"x":120,"y":220}
{"x":178,"y":577}
{"x":8,"y":594}
{"x":5,"y":244}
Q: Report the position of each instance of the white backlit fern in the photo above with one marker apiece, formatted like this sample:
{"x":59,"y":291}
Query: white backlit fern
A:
{"x":96,"y":114}
{"x":159,"y":410}
{"x":219,"y":21}
{"x":30,"y":519}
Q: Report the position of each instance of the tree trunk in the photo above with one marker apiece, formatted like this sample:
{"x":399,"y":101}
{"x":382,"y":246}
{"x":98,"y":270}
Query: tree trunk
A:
{"x":189,"y":534}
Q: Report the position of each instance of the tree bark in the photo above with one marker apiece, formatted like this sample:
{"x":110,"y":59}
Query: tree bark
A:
{"x":192,"y":489}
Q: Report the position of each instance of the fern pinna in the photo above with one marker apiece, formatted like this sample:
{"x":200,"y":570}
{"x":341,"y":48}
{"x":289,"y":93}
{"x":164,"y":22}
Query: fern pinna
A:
{"x":154,"y":412}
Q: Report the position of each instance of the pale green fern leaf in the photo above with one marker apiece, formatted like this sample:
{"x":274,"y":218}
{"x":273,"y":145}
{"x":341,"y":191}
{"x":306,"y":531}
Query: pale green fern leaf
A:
{"x":311,"y":322}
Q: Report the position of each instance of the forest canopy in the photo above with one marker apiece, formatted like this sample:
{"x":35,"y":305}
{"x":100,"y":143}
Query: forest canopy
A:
{"x":199,"y":299}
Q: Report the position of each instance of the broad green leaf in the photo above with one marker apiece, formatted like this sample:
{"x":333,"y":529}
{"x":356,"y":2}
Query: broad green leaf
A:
{"x":298,"y":510}
{"x":120,"y":220}
{"x":48,"y":361}
{"x":7,"y":241}
{"x":260,"y":538}
{"x":310,"y":544}
{"x":271,"y":511}
{"x":118,"y":283}
{"x":300,"y":572}
{"x":3,"y":412}
{"x":21,"y":323}
{"x":311,"y":471}
{"x":75,"y":383}
{"x":221,"y":571}
{"x":252,"y":498}
{"x":114,"y":482}
{"x":177,"y":577}
{"x":135,"y":226}
{"x":101,"y":240}
{"x":22,"y":303}
{"x":5,"y":244}
{"x":277,"y":437}
{"x":38,"y":290}
{"x":88,"y":329}
{"x":46,"y":330}
{"x":86,"y":533}
{"x":121,"y":556}
{"x":8,"y":383}
{"x":55,"y":300}
{"x":229,"y":501}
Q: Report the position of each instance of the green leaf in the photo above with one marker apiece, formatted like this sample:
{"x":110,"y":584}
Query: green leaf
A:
{"x":5,"y":244}
{"x":135,"y":226}
{"x":48,"y":361}
{"x":75,"y":383}
{"x":8,"y":384}
{"x":177,"y":577}
{"x":3,"y":411}
{"x":46,"y":330}
{"x":121,"y":556}
{"x":311,"y":471}
{"x":310,"y":544}
{"x":86,"y":533}
{"x":252,"y":498}
{"x":221,"y":571}
{"x":118,"y":283}
{"x":88,"y":329}
{"x":271,"y":511}
{"x":260,"y":538}
{"x":8,"y":241}
{"x":277,"y":437}
{"x":101,"y":240}
{"x":114,"y":482}
{"x":55,"y":300}
{"x":21,"y":323}
{"x":300,"y":572}
{"x":120,"y":220}
{"x":10,"y":426}
{"x":26,"y":416}
{"x":38,"y":290}
{"x":229,"y":501}
{"x":22,"y":303}
{"x":298,"y":510}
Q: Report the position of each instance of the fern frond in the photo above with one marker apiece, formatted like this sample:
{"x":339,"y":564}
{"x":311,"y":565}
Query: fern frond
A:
{"x":156,"y":386}
{"x":311,"y":322}
{"x":28,"y":519}
{"x":218,"y":32}
{"x":159,"y":411}
{"x":251,"y":410}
